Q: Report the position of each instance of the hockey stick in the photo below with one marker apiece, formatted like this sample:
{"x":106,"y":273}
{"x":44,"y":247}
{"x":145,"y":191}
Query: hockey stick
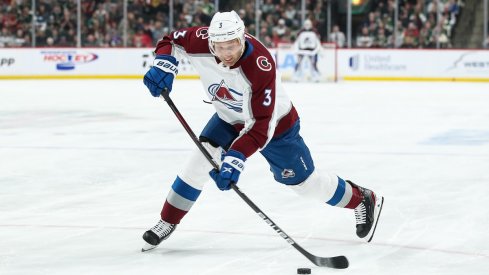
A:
{"x":339,"y":262}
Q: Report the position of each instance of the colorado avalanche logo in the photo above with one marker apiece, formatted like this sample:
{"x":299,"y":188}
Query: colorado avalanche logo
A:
{"x":288,"y":173}
{"x":263,"y":63}
{"x":202,"y":33}
{"x":227,"y":96}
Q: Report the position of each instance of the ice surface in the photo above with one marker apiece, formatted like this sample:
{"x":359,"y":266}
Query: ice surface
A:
{"x":85,"y":167}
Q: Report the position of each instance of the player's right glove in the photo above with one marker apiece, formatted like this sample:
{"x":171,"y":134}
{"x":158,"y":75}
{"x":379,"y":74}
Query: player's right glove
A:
{"x":231,"y":168}
{"x":161,"y":74}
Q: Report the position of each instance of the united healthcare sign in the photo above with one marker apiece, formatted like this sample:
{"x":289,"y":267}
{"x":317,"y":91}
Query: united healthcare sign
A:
{"x":382,"y":64}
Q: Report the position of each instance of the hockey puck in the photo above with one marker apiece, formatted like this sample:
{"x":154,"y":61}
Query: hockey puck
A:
{"x":303,"y":271}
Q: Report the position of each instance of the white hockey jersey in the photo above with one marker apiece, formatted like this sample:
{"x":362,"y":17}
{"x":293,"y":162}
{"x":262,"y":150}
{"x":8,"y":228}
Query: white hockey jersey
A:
{"x":248,"y":95}
{"x":307,"y":40}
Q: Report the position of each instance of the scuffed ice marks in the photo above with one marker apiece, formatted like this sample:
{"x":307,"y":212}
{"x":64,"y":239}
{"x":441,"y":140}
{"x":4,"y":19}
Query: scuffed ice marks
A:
{"x":459,"y":137}
{"x":53,"y":118}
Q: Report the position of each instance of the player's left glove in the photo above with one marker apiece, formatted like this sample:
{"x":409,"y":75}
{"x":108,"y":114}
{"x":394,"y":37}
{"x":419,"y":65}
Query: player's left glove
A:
{"x":231,"y":168}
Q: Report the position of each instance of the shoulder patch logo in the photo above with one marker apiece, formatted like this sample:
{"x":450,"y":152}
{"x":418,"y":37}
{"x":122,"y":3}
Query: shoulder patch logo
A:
{"x":202,"y":33}
{"x":263,"y":63}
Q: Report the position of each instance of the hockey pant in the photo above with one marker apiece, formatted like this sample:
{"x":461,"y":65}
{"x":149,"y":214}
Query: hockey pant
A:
{"x":289,"y":159}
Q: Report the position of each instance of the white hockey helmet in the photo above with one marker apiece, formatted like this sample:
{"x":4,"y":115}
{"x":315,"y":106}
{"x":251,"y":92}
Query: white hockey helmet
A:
{"x":307,"y":24}
{"x":226,"y":26}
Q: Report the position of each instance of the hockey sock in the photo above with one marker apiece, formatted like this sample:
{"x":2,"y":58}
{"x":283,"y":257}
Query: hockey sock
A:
{"x":329,"y":188}
{"x":180,"y":199}
{"x":355,"y":199}
{"x":188,"y":185}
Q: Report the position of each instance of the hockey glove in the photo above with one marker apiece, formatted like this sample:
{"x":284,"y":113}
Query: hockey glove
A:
{"x":161,"y":74}
{"x":231,"y":168}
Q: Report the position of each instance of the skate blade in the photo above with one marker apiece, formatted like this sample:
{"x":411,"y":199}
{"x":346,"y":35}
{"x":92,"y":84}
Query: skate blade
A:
{"x":148,"y":247}
{"x":379,"y":203}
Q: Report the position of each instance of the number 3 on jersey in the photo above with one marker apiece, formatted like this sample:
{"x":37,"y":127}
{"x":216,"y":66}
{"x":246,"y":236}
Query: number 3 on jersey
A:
{"x":268,"y":98}
{"x":179,"y":34}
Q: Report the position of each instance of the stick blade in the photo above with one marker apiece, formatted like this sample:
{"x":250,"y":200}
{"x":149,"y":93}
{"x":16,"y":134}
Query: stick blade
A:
{"x":338,"y":262}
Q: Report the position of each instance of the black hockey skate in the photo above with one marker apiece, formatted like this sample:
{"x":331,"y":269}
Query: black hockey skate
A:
{"x":367,"y":213}
{"x":158,"y":233}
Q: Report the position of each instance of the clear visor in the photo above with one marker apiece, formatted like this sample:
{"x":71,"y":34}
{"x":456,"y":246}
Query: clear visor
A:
{"x":227,"y":47}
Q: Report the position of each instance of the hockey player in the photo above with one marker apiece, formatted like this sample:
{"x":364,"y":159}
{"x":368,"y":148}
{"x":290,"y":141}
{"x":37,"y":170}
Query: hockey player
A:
{"x":253,"y":113}
{"x":307,"y":45}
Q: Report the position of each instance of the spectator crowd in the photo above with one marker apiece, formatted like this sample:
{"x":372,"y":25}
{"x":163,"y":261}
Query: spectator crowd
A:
{"x":421,"y":23}
{"x":102,"y":24}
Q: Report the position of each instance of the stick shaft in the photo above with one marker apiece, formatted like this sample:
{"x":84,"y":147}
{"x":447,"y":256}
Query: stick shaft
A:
{"x":319,"y":261}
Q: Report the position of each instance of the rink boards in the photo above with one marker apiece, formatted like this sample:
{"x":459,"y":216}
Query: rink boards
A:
{"x":334,"y":64}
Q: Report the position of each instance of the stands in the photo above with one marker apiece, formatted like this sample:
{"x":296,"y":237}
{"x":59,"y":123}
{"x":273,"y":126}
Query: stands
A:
{"x":102,"y":21}
{"x":421,"y":23}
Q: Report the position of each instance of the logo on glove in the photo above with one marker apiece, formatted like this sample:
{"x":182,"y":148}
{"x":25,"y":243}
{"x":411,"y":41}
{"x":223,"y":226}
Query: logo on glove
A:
{"x":227,"y":169}
{"x":238,"y":163}
{"x":166,"y":66}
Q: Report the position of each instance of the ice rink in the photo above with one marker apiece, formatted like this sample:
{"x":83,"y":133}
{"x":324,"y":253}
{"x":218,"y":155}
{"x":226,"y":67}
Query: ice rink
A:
{"x":86,"y":165}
